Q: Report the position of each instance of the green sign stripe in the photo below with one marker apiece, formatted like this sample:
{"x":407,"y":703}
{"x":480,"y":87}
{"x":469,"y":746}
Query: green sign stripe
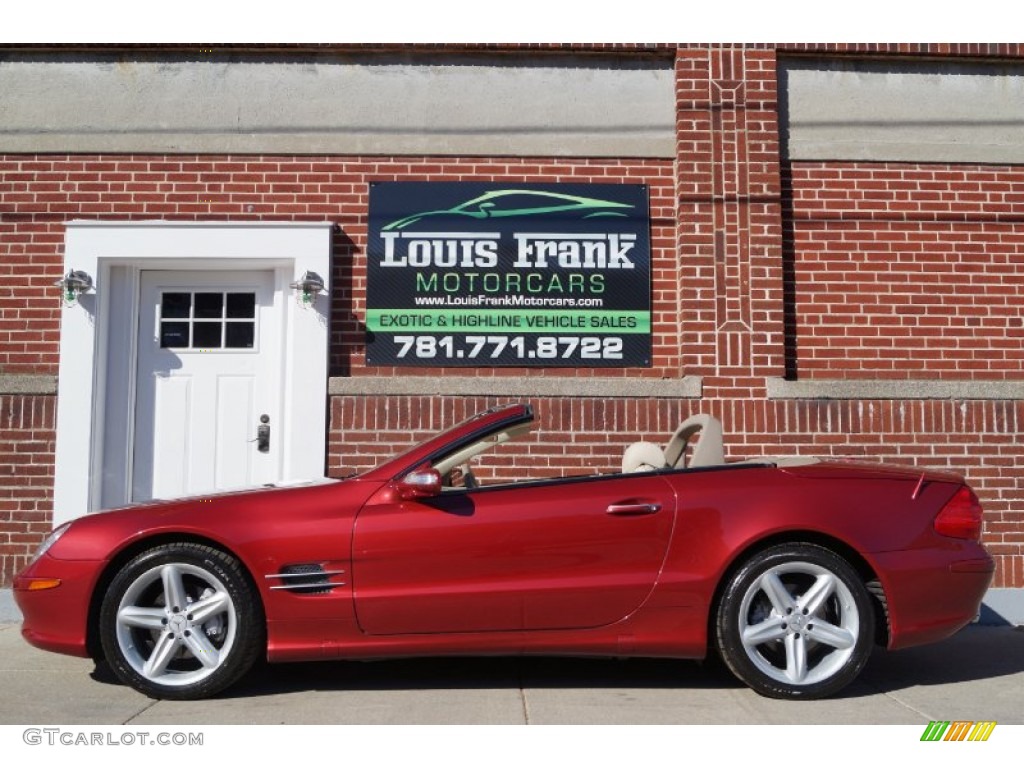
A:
{"x":935,"y":730}
{"x":578,"y":321}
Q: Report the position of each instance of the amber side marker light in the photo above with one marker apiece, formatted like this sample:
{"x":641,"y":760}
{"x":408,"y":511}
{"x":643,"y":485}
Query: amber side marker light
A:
{"x":34,"y":585}
{"x":961,"y":517}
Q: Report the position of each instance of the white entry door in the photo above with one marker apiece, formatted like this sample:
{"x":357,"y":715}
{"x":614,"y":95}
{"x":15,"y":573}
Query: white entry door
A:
{"x":208,"y":392}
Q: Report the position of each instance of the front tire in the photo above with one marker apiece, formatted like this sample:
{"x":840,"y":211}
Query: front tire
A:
{"x":181,"y":621}
{"x":795,"y":622}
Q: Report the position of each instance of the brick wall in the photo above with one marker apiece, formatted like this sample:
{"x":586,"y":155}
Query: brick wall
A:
{"x":907,"y":271}
{"x":26,"y":477}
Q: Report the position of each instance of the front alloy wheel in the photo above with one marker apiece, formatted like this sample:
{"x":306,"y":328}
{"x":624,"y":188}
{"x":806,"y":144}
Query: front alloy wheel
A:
{"x":796,"y":622}
{"x":181,"y":622}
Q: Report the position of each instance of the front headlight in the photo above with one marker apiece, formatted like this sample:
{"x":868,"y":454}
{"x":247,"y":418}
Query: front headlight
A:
{"x":50,"y":540}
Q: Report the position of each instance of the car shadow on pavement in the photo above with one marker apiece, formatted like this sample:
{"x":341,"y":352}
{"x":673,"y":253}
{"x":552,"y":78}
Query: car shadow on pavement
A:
{"x":481,"y":673}
{"x":977,"y":653}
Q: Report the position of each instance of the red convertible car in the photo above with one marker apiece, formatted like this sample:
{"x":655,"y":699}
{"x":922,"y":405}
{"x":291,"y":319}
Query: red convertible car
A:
{"x":790,"y":569}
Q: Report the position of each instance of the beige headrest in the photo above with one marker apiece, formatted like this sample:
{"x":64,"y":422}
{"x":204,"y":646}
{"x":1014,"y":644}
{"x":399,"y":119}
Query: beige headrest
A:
{"x":643,"y":457}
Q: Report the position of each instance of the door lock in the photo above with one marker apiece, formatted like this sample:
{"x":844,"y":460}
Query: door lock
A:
{"x":263,"y":434}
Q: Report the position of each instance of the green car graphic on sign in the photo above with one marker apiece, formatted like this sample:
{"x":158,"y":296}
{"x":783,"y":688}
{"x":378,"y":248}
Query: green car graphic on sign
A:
{"x":506,"y":203}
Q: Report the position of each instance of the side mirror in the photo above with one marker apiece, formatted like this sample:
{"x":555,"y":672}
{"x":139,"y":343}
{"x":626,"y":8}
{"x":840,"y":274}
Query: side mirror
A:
{"x":420,"y":484}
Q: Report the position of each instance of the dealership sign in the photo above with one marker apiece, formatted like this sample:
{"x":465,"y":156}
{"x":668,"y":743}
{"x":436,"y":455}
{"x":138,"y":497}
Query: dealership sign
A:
{"x":473,"y":274}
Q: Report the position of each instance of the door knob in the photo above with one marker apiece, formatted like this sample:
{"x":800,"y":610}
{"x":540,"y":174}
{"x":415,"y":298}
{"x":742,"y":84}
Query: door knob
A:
{"x":263,"y":434}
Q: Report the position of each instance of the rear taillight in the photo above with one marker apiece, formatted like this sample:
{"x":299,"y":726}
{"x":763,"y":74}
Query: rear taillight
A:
{"x":961,"y":517}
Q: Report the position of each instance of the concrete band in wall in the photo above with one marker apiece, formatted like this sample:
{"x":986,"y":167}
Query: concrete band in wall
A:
{"x":780,"y":389}
{"x":564,"y":106}
{"x":902,"y":111}
{"x":687,"y":387}
{"x":517,"y":386}
{"x":28,"y":385}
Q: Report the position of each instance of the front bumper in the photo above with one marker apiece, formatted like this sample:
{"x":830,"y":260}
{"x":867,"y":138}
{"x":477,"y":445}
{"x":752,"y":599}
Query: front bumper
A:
{"x":56,"y":619}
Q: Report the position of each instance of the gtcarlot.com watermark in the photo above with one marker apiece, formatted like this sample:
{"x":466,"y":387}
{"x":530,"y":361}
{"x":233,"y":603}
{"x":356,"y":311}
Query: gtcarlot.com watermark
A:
{"x":67,"y":737}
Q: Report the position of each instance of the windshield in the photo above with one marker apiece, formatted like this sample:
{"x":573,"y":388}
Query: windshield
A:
{"x":442,"y":437}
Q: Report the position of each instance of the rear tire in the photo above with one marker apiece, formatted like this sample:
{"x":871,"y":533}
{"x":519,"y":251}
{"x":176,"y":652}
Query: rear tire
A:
{"x":181,"y":621}
{"x":795,"y":622}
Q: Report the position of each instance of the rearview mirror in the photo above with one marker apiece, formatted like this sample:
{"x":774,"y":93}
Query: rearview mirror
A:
{"x":420,"y":483}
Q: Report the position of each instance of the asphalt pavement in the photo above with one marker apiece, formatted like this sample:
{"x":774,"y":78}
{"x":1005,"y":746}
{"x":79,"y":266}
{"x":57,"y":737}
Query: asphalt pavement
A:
{"x":976,"y":675}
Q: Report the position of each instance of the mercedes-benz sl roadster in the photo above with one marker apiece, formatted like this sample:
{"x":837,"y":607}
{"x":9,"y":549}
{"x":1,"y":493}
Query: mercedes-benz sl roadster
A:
{"x":789,"y":569}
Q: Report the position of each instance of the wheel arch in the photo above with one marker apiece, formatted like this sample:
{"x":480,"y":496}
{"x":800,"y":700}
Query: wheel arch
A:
{"x":135,"y":548}
{"x":823,"y":540}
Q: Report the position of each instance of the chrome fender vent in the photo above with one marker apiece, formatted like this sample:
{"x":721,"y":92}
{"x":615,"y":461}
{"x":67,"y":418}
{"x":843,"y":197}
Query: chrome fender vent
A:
{"x":305,"y":579}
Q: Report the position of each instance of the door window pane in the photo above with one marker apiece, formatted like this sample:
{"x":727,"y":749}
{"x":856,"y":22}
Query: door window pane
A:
{"x":174,"y":334}
{"x":239,"y":335}
{"x":206,"y":335}
{"x":209,"y":305}
{"x":176,"y":305}
{"x":241,"y":305}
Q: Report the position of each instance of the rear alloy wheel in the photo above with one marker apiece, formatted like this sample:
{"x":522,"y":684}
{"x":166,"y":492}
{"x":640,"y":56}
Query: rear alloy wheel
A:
{"x":796,"y":622}
{"x":181,"y":621}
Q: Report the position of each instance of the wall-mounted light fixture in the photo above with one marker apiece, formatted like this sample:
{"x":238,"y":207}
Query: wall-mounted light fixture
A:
{"x":307,"y":288}
{"x":74,"y":284}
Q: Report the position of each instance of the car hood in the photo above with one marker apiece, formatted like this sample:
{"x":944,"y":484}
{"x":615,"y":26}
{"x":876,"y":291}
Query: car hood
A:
{"x":234,"y":493}
{"x":225,"y":517}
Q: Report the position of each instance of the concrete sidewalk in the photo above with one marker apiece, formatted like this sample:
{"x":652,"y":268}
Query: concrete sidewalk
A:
{"x":976,"y":675}
{"x":9,"y":612}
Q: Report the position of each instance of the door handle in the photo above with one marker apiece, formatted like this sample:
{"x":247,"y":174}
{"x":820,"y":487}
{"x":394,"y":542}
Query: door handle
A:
{"x":630,"y":508}
{"x":263,"y":434}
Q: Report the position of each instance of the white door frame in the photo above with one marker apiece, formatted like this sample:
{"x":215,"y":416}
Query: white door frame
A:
{"x":96,"y":388}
